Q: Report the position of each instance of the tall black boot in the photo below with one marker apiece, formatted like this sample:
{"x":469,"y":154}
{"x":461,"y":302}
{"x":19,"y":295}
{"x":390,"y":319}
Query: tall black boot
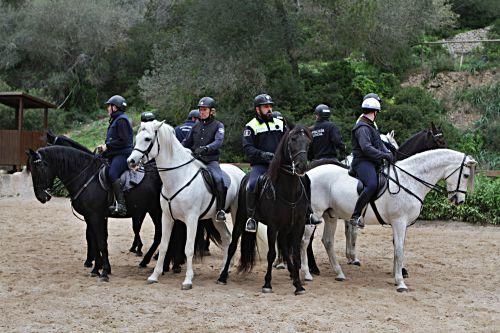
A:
{"x":310,"y":218}
{"x":120,"y":208}
{"x":251,"y":199}
{"x":356,"y":220}
{"x":221,"y":203}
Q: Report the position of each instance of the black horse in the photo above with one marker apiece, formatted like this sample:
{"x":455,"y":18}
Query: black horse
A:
{"x":282,"y":207}
{"x":426,"y":139}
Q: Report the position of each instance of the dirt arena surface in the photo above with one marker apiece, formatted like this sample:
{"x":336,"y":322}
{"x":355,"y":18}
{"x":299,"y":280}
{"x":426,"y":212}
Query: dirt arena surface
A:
{"x":454,"y":283}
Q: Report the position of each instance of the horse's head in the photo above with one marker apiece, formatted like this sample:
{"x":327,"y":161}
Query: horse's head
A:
{"x":147,"y":144}
{"x":435,"y":138}
{"x":389,"y":138}
{"x":297,"y":145}
{"x":461,"y":179}
{"x":41,"y":174}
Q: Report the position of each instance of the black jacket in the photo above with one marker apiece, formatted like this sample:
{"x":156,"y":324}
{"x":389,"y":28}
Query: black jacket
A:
{"x":366,"y":143}
{"x":326,"y":141}
{"x":261,"y":136}
{"x":209,"y":133}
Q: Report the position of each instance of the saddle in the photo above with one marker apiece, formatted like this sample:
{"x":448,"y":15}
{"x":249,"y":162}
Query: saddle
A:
{"x":129,"y":179}
{"x":382,"y":186}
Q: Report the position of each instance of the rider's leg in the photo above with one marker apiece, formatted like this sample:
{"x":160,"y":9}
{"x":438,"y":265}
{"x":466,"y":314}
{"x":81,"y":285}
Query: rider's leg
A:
{"x":221,"y":190}
{"x":251,"y":196}
{"x":367,"y":173}
{"x":311,"y":219}
{"x":117,"y":167}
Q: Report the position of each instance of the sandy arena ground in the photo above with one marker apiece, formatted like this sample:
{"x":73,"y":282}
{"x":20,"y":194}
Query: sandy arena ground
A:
{"x":454,"y":283}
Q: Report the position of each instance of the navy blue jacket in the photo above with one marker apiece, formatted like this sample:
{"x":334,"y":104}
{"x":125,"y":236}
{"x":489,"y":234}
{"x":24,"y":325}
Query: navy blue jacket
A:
{"x":182,"y":131}
{"x":209,"y":133}
{"x":366,"y":143}
{"x":262,"y":136}
{"x":120,"y":135}
{"x":326,"y":140}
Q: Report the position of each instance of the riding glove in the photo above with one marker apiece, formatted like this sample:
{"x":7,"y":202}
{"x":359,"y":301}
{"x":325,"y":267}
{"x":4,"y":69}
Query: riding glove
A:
{"x":266,"y":156}
{"x":201,"y":151}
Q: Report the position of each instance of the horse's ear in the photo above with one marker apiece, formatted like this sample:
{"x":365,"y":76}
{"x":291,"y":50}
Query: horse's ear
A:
{"x":30,"y":152}
{"x":159,"y":124}
{"x":392,"y":134}
{"x":433,"y":127}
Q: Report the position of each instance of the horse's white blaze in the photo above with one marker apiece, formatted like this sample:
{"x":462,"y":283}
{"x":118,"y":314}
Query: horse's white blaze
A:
{"x":335,"y":191}
{"x":192,"y":201}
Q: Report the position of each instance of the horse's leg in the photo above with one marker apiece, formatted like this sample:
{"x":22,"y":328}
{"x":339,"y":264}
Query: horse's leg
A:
{"x":100,"y":225}
{"x":351,"y":233}
{"x":191,"y":226}
{"x":271,"y":255}
{"x":304,"y":245}
{"x":328,"y":242}
{"x":237,"y":231}
{"x":313,"y":267}
{"x":136,"y":226}
{"x":295,"y":260}
{"x":166,"y":230}
{"x":95,"y":249}
{"x":156,"y":217}
{"x":90,"y":248}
{"x":399,"y":234}
{"x":225,"y":236}
{"x":404,"y":271}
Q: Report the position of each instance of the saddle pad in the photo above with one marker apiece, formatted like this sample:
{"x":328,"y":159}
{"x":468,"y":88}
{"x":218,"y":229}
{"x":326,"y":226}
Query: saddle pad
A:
{"x":207,"y":177}
{"x":129,"y":179}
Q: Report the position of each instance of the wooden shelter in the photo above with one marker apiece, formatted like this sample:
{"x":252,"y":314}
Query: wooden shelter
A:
{"x":14,"y":142}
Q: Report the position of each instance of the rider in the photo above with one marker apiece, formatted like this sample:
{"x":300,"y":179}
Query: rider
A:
{"x":147,"y":116}
{"x":368,"y":152}
{"x":205,"y":139}
{"x":261,"y":137}
{"x":387,"y":144}
{"x":326,"y":137}
{"x":118,"y":146}
{"x":182,"y":131}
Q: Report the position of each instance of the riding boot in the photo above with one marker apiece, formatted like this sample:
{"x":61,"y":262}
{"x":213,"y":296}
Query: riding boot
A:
{"x":311,"y":218}
{"x":356,"y":219}
{"x":120,"y":208}
{"x":221,"y":203}
{"x":251,"y":200}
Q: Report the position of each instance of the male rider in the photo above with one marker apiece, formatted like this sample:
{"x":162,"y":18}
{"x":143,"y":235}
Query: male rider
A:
{"x":182,"y":131}
{"x":205,"y":139}
{"x":118,"y":146}
{"x":368,"y":152}
{"x":261,"y":137}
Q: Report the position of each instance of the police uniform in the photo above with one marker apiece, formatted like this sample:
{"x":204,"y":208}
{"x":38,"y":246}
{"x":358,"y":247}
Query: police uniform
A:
{"x":326,"y":141}
{"x":119,"y":144}
{"x":209,"y":133}
{"x":182,"y":131}
{"x":260,"y":136}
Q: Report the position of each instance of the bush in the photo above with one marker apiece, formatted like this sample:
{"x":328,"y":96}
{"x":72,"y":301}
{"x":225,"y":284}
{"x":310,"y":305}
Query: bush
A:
{"x":481,"y":206}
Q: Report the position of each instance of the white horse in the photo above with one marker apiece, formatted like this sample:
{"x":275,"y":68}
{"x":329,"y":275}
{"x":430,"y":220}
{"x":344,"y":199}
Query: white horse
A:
{"x":184,"y":194}
{"x":334,"y":194}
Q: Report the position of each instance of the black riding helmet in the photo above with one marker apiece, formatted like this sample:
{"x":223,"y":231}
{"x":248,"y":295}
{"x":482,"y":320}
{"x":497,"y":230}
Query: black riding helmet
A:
{"x":117,"y":101}
{"x":373,"y":95}
{"x":147,"y":116}
{"x":208,"y":102}
{"x":278,"y":115}
{"x":262,"y":99}
{"x":194,"y":113}
{"x":323,"y":111}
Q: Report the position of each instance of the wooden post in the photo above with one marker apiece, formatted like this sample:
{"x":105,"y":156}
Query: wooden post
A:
{"x":20,"y":132}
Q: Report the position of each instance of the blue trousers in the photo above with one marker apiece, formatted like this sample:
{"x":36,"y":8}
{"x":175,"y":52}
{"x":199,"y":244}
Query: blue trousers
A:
{"x":216,"y":172}
{"x":117,"y":166}
{"x":367,"y":173}
{"x":255,"y":172}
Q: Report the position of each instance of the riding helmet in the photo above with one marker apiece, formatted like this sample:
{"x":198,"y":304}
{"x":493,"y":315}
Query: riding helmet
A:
{"x":323,"y":111}
{"x":277,"y":115}
{"x":117,"y":101}
{"x":373,"y":95}
{"x":262,"y":99}
{"x":207,"y":102}
{"x":194,"y":113}
{"x":147,"y":116}
{"x":370,"y":105}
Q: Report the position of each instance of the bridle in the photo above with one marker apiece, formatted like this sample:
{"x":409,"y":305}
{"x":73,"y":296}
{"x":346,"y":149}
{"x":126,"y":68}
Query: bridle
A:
{"x":292,"y":157}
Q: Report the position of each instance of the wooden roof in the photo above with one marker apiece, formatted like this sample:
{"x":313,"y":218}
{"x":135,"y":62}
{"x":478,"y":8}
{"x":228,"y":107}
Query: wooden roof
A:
{"x":29,"y":102}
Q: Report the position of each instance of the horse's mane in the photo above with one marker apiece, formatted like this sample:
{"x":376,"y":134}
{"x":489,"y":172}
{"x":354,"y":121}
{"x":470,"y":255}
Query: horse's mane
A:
{"x":63,"y":140}
{"x":279,"y":155}
{"x":67,"y":158}
{"x":413,"y":138}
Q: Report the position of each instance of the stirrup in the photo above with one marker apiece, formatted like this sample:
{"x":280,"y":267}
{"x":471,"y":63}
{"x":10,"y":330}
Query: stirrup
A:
{"x":357,"y":222}
{"x":120,"y":210}
{"x":221,"y":216}
{"x":251,"y":225}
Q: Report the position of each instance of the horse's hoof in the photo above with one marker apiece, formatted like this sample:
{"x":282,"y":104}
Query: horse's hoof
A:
{"x":143,"y":265}
{"x":176,"y":270}
{"x":138,"y":254}
{"x":95,"y":274}
{"x":314,"y":271}
{"x":87,"y":264}
{"x":340,"y":278}
{"x":151,"y":281}
{"x":222,"y":283}
{"x":356,"y":263}
{"x":132,"y":250}
{"x":308,"y":279}
{"x":267,"y":290}
{"x":300,"y":292}
{"x":402,"y":289}
{"x":186,"y":286}
{"x":104,"y":278}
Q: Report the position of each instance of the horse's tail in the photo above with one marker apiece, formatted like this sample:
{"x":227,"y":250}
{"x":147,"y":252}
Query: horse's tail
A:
{"x":248,"y":246}
{"x":208,"y":227}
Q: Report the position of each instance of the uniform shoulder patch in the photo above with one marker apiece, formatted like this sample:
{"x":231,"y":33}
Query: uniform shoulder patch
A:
{"x":221,"y":129}
{"x":247,"y":132}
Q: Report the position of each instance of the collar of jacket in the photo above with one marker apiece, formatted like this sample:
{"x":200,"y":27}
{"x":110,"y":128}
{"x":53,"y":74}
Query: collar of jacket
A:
{"x":365,"y":120}
{"x":208,"y":120}
{"x":114,"y":115}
